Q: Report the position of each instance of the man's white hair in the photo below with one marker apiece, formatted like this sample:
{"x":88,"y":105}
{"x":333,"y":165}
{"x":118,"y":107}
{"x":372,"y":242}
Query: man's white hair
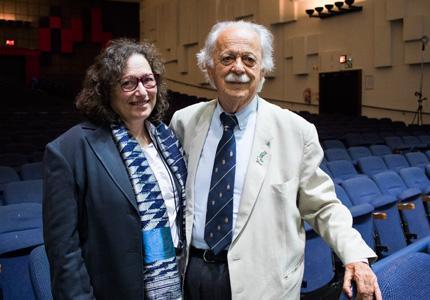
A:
{"x":205,"y":55}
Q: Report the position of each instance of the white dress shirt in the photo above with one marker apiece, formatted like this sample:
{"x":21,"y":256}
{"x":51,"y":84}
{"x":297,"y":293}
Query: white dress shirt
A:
{"x":167,"y":186}
{"x":244,"y":135}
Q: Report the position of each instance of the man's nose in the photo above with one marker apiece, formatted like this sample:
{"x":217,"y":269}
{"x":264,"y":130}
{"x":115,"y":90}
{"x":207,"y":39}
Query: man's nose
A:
{"x":238,"y":66}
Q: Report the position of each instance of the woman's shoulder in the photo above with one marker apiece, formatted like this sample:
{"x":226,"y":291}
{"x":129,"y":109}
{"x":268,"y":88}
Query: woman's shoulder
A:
{"x":74,"y":135}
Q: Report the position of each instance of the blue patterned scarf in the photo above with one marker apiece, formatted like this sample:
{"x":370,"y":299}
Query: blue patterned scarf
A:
{"x":161,"y":276}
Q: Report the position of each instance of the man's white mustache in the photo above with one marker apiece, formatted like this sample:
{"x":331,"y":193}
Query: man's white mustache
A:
{"x":243,"y":78}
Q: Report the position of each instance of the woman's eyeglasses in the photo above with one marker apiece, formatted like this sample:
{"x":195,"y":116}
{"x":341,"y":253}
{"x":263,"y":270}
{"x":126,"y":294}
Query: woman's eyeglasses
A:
{"x":130,"y":83}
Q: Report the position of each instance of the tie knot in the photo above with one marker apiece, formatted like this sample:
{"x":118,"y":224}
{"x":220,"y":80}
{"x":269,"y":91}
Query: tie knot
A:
{"x":229,"y":121}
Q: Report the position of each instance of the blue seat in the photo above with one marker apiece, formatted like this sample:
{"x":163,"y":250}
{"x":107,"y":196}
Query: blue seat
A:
{"x":342,"y":169}
{"x":396,"y":144}
{"x":39,"y":273}
{"x":358,"y":152}
{"x":23,"y":191}
{"x":20,"y":231}
{"x":418,"y":159}
{"x":414,"y":142}
{"x":7,"y":174}
{"x":424,"y":138}
{"x":406,"y":277}
{"x":380,"y":150}
{"x":15,"y":282}
{"x":414,"y":218}
{"x":333,"y":143}
{"x":396,"y":162}
{"x":361,"y":214}
{"x":372,"y":138}
{"x":372,"y":165}
{"x":415,"y":177}
{"x":30,"y":171}
{"x":319,"y":269}
{"x":353,"y":139}
{"x":20,"y":226}
{"x":388,"y":225}
{"x":336,"y":154}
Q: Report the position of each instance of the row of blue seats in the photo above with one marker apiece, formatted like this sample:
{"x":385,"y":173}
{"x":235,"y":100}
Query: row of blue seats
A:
{"x":22,"y":186}
{"x":388,"y":214}
{"x":394,"y":143}
{"x":405,"y":165}
{"x":24,"y":264}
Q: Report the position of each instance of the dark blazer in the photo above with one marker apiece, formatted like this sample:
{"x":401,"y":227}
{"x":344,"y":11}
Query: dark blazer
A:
{"x":91,"y":220}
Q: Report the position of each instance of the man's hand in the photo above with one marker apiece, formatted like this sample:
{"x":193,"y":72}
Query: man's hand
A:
{"x":365,"y":281}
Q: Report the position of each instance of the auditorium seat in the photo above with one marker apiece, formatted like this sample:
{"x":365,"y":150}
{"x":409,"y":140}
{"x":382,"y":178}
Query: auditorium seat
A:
{"x":337,"y":154}
{"x":342,"y":170}
{"x":7,"y":174}
{"x":319,"y":268}
{"x":414,"y":216}
{"x":406,"y":277}
{"x":414,"y":142}
{"x":20,"y":232}
{"x":418,"y":159}
{"x":396,"y":162}
{"x":333,"y":143}
{"x":380,"y":150}
{"x":396,"y":144}
{"x":372,"y":165}
{"x":23,"y":191}
{"x":39,"y":273}
{"x":31,"y":171}
{"x":388,"y":225}
{"x":361,"y":214}
{"x":358,"y":152}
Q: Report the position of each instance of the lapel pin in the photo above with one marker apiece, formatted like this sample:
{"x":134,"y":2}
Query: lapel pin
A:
{"x":261,"y":158}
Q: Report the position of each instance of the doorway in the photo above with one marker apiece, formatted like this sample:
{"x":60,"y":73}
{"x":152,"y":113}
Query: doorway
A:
{"x":340,"y":93}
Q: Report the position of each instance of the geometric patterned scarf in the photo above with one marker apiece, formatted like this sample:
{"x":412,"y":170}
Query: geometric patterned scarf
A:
{"x":161,"y":275}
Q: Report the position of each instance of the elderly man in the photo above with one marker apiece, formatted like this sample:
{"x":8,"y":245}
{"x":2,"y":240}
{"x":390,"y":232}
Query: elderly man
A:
{"x":253,"y":180}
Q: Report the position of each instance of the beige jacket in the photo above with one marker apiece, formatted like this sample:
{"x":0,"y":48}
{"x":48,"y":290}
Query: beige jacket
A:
{"x":283,"y":187}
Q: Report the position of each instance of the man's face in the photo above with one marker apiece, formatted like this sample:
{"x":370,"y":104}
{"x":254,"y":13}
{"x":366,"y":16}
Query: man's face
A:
{"x":237,"y":72}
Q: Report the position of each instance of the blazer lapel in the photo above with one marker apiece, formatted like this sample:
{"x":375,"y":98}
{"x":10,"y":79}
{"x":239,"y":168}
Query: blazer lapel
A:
{"x":195,"y":149}
{"x":106,"y":151}
{"x":257,"y":168}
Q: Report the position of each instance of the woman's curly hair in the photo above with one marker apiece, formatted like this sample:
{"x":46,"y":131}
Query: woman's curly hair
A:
{"x":94,"y":100}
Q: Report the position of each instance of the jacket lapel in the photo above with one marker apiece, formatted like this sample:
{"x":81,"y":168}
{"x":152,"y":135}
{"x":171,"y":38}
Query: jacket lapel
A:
{"x":257,"y":167}
{"x":104,"y":148}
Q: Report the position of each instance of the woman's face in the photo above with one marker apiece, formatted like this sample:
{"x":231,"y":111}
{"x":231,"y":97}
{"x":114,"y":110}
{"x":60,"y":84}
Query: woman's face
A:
{"x":135,"y":95}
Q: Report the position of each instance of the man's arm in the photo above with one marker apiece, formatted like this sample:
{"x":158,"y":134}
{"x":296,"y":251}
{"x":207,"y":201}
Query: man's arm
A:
{"x":320,"y":207}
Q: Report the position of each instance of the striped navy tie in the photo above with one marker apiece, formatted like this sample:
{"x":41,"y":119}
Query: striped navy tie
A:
{"x":219,"y":215}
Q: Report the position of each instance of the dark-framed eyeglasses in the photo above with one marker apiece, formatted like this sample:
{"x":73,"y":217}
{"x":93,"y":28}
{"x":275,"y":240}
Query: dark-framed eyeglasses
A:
{"x":130,"y":83}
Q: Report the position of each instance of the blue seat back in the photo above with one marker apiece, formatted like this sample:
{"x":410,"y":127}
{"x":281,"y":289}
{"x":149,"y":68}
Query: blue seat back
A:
{"x":342,"y":169}
{"x":32,"y":171}
{"x":359,"y":152}
{"x":380,"y":150}
{"x":415,"y":177}
{"x":372,"y":165}
{"x":336,"y":154}
{"x":39,"y":273}
{"x":407,"y":277}
{"x":390,"y":232}
{"x":395,"y":162}
{"x":23,"y":191}
{"x":319,"y":270}
{"x":417,"y":159}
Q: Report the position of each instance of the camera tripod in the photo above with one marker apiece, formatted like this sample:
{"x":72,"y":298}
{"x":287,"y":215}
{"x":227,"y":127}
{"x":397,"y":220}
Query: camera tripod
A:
{"x":418,"y":116}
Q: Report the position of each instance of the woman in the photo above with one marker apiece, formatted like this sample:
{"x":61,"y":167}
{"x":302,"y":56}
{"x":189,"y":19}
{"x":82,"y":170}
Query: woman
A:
{"x":114,"y":186}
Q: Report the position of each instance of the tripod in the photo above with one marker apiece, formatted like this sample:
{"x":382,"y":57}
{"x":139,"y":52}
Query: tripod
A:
{"x":419,"y":112}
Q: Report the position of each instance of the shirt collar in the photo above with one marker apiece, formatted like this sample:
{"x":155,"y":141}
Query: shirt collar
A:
{"x":242,"y":116}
